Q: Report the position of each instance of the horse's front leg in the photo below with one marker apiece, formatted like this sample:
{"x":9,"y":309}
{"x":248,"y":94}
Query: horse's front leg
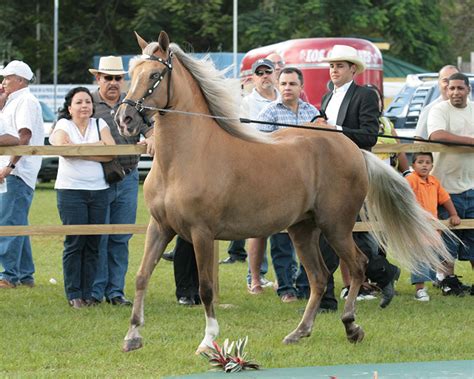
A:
{"x":155,"y":243}
{"x":204,"y":250}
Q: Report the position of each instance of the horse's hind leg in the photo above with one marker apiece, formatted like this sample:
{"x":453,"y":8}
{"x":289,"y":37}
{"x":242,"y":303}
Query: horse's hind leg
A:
{"x":155,"y":244}
{"x":204,"y":247}
{"x":305,"y":237}
{"x":356,"y":261}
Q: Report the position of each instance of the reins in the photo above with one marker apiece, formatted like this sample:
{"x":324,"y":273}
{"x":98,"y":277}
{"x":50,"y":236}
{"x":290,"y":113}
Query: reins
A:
{"x":159,"y":76}
{"x":314,"y":128}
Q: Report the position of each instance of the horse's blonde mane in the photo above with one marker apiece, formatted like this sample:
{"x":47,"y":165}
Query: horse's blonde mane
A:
{"x":215,"y":89}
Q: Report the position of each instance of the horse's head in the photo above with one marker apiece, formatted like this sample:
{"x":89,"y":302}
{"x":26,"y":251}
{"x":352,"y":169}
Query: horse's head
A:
{"x":150,"y":85}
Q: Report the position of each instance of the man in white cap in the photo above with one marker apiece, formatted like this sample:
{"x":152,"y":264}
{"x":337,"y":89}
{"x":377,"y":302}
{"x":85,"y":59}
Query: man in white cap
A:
{"x":350,"y":106}
{"x":113,"y":252}
{"x":22,"y":112}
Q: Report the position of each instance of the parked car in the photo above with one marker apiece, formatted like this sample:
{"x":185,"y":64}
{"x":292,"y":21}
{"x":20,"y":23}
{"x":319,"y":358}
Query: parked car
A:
{"x":49,"y":164}
{"x":418,"y":91}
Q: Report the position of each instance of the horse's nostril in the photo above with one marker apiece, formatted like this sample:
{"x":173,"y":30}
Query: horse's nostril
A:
{"x":127,"y":120}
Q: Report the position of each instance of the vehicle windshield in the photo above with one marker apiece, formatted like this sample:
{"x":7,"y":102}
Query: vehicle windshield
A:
{"x":48,"y":115}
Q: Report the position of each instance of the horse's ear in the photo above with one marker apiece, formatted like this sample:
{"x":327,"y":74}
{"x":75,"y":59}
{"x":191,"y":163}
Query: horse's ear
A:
{"x":141,"y":42}
{"x":164,"y":41}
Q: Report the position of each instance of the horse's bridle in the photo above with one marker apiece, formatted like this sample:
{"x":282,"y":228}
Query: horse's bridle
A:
{"x":159,"y":76}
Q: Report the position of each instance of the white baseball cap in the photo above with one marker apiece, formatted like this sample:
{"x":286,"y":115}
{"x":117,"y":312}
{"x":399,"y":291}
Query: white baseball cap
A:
{"x":17,"y":68}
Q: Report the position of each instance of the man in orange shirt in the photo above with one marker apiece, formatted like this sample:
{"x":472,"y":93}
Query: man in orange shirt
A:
{"x":430,"y":194}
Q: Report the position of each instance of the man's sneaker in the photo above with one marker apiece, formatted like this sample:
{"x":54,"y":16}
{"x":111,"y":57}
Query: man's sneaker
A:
{"x":265,"y":283}
{"x":452,"y":286}
{"x":422,"y":295}
{"x":364,"y":294}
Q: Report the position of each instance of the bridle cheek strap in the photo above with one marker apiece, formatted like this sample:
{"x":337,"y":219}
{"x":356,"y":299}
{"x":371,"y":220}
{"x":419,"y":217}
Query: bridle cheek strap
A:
{"x":159,"y":76}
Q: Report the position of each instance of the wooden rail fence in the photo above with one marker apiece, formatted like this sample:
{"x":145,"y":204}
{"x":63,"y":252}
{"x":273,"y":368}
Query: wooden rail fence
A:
{"x":47,"y":230}
{"x":41,"y":230}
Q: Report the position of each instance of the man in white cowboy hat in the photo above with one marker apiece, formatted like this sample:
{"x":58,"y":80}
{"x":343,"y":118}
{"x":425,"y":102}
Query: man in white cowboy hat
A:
{"x":22,"y":111}
{"x":350,"y":106}
{"x":113,"y":252}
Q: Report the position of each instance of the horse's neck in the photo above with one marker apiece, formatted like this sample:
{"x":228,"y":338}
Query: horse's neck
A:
{"x":182,"y":136}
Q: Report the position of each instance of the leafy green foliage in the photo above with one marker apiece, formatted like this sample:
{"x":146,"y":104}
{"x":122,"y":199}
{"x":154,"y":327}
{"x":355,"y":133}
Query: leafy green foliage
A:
{"x":419,"y":31}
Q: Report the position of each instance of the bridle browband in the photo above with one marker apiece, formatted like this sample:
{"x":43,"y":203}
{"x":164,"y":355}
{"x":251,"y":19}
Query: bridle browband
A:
{"x":159,"y":76}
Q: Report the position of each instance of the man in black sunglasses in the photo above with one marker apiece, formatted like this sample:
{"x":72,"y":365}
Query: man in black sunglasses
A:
{"x":113,"y":252}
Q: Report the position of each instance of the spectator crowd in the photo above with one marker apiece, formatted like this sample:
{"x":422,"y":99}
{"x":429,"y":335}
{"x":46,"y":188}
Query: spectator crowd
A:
{"x":95,"y":267}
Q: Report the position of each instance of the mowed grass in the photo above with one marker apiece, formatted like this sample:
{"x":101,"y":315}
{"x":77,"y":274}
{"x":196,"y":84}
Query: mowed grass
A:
{"x":43,"y":337}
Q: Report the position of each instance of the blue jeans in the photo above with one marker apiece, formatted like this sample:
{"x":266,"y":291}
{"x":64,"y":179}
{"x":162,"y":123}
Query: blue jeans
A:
{"x":464,"y":204}
{"x":426,"y":274}
{"x":113,"y":252}
{"x":284,"y":263}
{"x":81,"y":253}
{"x":15,"y":252}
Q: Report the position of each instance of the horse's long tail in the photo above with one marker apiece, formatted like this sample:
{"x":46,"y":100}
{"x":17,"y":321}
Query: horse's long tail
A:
{"x":399,"y":223}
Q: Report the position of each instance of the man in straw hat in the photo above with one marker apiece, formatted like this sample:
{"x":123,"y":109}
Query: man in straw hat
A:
{"x":22,"y":113}
{"x":350,"y":106}
{"x":113,"y":253}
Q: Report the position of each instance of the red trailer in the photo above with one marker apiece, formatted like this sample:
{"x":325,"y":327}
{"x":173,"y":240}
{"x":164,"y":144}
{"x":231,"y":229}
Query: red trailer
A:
{"x":307,"y":54}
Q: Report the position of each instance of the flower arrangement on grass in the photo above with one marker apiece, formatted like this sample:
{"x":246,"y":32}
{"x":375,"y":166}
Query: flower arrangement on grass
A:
{"x":222,"y":357}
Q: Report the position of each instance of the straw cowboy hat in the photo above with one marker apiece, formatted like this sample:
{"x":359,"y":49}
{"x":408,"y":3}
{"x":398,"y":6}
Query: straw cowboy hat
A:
{"x":345,"y":53}
{"x":109,"y":65}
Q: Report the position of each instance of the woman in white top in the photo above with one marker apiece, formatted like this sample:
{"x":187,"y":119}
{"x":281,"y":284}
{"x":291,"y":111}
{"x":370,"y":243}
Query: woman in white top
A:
{"x":82,"y":192}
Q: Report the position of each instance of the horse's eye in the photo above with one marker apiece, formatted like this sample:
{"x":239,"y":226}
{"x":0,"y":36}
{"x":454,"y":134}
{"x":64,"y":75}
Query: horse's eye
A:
{"x":156,"y":75}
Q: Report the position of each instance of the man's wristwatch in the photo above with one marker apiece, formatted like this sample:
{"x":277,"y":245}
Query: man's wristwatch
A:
{"x":11,"y":165}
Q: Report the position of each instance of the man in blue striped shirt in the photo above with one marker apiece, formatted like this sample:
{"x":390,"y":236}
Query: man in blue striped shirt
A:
{"x":289,"y":109}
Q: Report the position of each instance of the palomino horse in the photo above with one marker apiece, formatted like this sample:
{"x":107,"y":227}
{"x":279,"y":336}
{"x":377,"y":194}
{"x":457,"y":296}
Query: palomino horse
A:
{"x":213,"y":179}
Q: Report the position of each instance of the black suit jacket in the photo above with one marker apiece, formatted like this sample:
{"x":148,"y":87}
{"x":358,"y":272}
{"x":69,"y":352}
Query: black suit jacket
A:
{"x":359,"y":110}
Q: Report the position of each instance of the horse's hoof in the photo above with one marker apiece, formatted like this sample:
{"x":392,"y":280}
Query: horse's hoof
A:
{"x":357,"y":335}
{"x":202,"y":349}
{"x":291,"y":339}
{"x":132,"y":344}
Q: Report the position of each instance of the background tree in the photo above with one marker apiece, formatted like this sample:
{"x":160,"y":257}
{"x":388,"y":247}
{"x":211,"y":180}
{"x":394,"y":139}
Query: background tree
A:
{"x":419,"y":31}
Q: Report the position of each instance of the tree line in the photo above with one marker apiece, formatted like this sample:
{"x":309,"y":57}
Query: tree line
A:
{"x":427,"y":33}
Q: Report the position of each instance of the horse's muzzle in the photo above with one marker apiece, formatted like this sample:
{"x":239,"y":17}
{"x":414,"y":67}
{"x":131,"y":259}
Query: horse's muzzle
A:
{"x":128,"y":120}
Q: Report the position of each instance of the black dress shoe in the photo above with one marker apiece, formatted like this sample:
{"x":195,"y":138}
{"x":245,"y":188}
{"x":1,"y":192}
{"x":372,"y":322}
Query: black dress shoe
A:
{"x":120,"y":300}
{"x":388,"y":292}
{"x":230,"y":260}
{"x":169,"y":256}
{"x":186,"y":301}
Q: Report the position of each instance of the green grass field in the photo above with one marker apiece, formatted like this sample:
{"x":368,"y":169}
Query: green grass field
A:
{"x":43,"y":337}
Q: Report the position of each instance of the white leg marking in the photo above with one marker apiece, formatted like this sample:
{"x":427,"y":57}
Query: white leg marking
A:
{"x":212,"y":331}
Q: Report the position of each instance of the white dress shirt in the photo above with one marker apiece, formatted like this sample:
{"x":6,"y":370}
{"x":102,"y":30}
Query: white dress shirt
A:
{"x":332,"y":109}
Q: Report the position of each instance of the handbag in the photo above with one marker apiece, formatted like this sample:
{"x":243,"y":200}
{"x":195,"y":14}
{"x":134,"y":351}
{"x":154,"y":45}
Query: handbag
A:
{"x":113,"y":170}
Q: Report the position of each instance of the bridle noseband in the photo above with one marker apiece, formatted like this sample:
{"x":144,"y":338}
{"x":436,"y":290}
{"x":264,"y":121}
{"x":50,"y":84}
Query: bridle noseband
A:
{"x":159,"y":76}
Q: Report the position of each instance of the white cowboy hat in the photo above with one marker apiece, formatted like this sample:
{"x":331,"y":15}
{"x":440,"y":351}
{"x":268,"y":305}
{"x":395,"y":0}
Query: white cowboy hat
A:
{"x":18,"y":68}
{"x":345,"y":53}
{"x":109,"y":65}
